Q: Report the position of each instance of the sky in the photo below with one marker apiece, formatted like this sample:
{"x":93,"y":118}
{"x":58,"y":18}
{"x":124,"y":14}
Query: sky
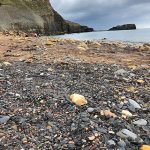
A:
{"x":104,"y":14}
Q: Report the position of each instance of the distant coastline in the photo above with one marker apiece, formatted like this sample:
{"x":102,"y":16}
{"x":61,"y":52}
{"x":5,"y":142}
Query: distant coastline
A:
{"x":138,"y":35}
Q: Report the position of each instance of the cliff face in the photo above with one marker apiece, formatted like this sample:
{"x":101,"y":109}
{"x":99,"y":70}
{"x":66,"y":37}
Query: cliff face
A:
{"x":34,"y":16}
{"x":75,"y":27}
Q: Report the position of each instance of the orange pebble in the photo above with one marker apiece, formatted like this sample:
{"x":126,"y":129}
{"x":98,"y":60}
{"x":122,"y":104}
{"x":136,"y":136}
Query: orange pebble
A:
{"x":145,"y":147}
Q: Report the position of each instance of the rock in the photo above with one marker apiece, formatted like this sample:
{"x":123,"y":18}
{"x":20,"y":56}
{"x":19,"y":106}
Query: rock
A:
{"x":4,"y":119}
{"x":50,"y":69}
{"x":82,"y":46}
{"x":78,"y":99}
{"x":124,"y":27}
{"x":111,"y":143}
{"x":49,"y":43}
{"x":134,"y":104}
{"x":17,"y":95}
{"x":95,"y":45}
{"x":145,"y":47}
{"x":76,"y":28}
{"x":140,"y":81}
{"x":125,"y":133}
{"x":141,"y":122}
{"x":131,"y":89}
{"x":2,"y":134}
{"x":146,"y":128}
{"x":91,"y":138}
{"x":126,"y":113}
{"x":145,"y":147}
{"x":132,"y":75}
{"x":131,"y":108}
{"x":90,"y":110}
{"x":108,"y":113}
{"x":7,"y":63}
{"x":40,"y":19}
{"x":122,"y":144}
{"x":146,"y":44}
{"x":73,"y":127}
{"x":24,"y":141}
{"x":41,"y":74}
{"x":120,"y":72}
{"x":28,"y":79}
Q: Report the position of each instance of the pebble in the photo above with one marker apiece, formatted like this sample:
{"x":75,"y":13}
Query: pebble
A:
{"x":17,"y":95}
{"x":4,"y":119}
{"x":1,"y":135}
{"x":134,"y":104}
{"x":145,"y":147}
{"x":84,"y":141}
{"x":73,"y":127}
{"x":121,"y":143}
{"x":140,"y":122}
{"x":91,"y":138}
{"x":78,"y":99}
{"x":131,"y":108}
{"x":126,"y":113}
{"x":7,"y":63}
{"x":28,"y":79}
{"x":120,"y":72}
{"x":108,"y":113}
{"x":125,"y":133}
{"x":146,"y":128}
{"x":24,"y":141}
{"x":90,"y":110}
{"x":111,"y":143}
{"x":42,"y":74}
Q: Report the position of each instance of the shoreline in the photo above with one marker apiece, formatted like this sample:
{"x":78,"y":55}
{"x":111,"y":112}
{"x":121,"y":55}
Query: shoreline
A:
{"x":120,"y":35}
{"x":47,"y":49}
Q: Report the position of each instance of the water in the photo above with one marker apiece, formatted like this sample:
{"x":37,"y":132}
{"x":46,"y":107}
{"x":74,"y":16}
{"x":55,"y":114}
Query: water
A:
{"x":139,"y":35}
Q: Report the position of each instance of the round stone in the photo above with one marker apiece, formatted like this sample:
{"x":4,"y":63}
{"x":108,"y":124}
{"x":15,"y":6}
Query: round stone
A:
{"x":90,"y":109}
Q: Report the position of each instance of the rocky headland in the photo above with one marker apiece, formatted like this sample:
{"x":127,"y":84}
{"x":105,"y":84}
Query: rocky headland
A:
{"x":35,"y":16}
{"x":38,"y":75}
{"x":124,"y":27}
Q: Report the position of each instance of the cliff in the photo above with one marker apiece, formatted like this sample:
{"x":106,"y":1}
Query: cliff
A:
{"x":34,"y":16}
{"x":75,"y":27}
{"x":124,"y":27}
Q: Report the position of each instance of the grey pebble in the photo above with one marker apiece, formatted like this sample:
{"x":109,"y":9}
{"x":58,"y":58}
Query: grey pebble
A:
{"x":134,"y":104}
{"x":140,"y":122}
{"x":125,"y":133}
{"x":121,"y":143}
{"x":111,"y":143}
{"x":90,"y":110}
{"x":4,"y":119}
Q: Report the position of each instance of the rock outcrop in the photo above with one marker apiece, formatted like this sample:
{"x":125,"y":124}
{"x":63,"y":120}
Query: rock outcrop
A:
{"x":124,"y":27}
{"x":34,"y":16}
{"x":77,"y":28}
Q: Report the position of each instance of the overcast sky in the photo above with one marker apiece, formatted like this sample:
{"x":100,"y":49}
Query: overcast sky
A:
{"x":103,"y":14}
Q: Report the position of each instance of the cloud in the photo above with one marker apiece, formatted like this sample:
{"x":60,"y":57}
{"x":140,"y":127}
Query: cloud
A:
{"x":103,"y":14}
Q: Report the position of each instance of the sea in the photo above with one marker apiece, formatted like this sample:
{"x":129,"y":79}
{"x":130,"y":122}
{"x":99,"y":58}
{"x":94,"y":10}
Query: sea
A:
{"x":137,"y":36}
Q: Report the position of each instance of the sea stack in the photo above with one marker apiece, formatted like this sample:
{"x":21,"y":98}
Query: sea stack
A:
{"x":35,"y":16}
{"x":124,"y":27}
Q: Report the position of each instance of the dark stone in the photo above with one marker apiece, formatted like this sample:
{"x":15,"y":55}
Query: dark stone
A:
{"x":124,"y":27}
